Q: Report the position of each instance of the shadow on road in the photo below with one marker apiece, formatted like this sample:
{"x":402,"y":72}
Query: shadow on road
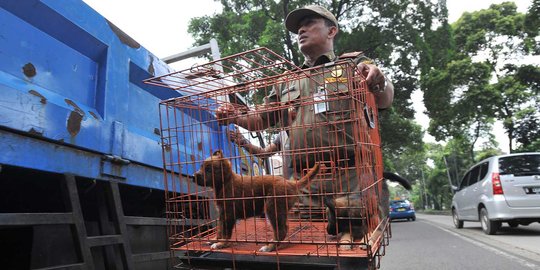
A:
{"x":400,"y":220}
{"x":505,"y":230}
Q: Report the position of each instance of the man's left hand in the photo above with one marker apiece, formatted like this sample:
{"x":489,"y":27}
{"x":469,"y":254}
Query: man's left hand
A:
{"x":374,"y":77}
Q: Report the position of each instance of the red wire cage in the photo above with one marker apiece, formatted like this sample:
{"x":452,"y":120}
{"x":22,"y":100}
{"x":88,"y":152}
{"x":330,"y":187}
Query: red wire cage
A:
{"x":341,"y":135}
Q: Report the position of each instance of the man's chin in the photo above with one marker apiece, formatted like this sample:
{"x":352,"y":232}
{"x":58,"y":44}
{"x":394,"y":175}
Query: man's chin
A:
{"x":304,"y":48}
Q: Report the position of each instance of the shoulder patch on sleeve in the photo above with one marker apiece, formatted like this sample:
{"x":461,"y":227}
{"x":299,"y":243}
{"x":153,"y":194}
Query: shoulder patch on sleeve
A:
{"x":367,"y":61}
{"x":351,"y":55}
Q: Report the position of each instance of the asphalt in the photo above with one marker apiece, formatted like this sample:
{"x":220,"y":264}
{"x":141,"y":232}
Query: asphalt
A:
{"x":431,"y":242}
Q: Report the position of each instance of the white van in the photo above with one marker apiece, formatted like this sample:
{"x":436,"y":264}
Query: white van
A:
{"x":503,"y":188}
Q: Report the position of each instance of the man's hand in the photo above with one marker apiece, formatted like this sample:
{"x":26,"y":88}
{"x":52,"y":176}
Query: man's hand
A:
{"x":229,"y":114}
{"x":374,"y":77}
{"x":226,"y":114}
{"x":383,"y":90}
{"x":237,"y":137}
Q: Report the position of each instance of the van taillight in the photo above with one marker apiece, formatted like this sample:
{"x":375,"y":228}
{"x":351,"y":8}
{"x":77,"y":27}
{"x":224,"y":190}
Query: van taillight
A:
{"x":496,"y":181}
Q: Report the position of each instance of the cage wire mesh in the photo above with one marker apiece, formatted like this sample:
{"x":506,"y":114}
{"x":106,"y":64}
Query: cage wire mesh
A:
{"x":223,"y":201}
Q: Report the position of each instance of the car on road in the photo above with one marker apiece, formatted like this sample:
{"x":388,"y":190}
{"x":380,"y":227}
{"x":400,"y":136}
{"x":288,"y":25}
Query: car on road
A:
{"x":402,"y":209}
{"x":500,"y":189}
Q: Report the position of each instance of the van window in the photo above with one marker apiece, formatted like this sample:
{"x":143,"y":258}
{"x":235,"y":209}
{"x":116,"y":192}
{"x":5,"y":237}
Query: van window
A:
{"x":483,"y":170}
{"x":465,"y":181}
{"x":520,"y":165}
{"x":475,"y":172}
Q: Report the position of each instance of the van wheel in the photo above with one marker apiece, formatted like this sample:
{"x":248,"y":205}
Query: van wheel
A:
{"x":489,"y":227}
{"x":458,"y":223}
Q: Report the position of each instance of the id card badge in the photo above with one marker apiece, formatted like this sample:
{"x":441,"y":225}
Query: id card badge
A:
{"x":320,"y":105}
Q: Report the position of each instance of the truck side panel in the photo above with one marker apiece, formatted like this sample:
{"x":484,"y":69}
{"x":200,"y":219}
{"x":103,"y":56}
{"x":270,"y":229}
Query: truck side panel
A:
{"x":81,"y":165}
{"x":71,"y":77}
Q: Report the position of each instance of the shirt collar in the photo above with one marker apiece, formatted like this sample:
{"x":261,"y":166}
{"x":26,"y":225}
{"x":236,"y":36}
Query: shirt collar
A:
{"x":323,"y":59}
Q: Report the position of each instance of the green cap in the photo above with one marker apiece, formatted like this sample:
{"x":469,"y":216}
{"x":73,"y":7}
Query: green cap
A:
{"x":294,"y":18}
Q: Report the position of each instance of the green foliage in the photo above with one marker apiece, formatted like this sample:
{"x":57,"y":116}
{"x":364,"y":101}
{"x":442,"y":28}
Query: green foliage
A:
{"x":534,"y":146}
{"x":417,"y":196}
{"x":532,"y":28}
{"x":448,"y":164}
{"x":453,"y":111}
{"x":452,"y":159}
{"x":476,"y":31}
{"x":439,"y":189}
{"x":398,"y":192}
{"x":257,"y":28}
{"x":527,"y":129}
{"x":486,"y":153}
{"x":463,"y":70}
{"x":528,"y":75}
{"x":476,"y":86}
{"x":406,"y":159}
{"x":394,"y":33}
{"x":402,"y":130}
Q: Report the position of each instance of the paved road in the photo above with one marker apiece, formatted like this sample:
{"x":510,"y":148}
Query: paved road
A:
{"x":431,"y":242}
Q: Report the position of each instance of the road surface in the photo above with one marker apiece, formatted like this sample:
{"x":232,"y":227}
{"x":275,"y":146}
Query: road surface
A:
{"x":432,"y":242}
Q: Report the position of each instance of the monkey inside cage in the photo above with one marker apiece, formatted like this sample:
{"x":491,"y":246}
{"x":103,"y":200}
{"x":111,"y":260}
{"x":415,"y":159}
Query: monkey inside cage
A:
{"x":226,"y":205}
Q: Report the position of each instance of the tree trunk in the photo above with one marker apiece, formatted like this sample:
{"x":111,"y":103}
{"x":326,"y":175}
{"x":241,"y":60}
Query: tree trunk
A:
{"x":510,"y":139}
{"x":436,"y":204}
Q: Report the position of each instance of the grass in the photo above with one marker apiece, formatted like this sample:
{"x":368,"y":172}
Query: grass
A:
{"x":434,"y":212}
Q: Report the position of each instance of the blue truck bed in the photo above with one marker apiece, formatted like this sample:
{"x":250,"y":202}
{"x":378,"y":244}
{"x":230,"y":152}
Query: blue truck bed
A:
{"x":71,"y":78}
{"x":81,"y":164}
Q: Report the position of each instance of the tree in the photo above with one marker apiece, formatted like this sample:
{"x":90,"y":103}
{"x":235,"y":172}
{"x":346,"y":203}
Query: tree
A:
{"x":527,"y":129}
{"x":394,"y":33}
{"x":478,"y":85}
{"x":450,"y":162}
{"x":406,"y":159}
{"x":454,"y":111}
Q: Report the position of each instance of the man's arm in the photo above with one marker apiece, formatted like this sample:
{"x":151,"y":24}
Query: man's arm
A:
{"x":381,"y":87}
{"x":227,"y":114}
{"x":241,"y":141}
{"x":385,"y":97}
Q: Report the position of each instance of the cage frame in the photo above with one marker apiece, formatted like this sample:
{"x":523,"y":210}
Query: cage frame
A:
{"x":220,"y":80}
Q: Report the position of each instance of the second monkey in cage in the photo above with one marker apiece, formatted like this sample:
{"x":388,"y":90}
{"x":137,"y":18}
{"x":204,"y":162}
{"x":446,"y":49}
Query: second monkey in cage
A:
{"x":242,"y":197}
{"x":345,"y":214}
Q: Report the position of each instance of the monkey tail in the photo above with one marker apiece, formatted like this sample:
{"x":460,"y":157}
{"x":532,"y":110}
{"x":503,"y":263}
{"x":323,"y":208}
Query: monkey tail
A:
{"x":309,"y":176}
{"x":396,"y":178}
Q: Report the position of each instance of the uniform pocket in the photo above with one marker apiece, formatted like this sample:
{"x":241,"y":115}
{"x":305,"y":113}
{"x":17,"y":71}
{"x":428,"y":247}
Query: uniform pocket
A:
{"x":289,"y":94}
{"x":339,"y":101}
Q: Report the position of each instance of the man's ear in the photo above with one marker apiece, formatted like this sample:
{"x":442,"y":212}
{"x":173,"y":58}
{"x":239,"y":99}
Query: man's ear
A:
{"x":218,"y":153}
{"x":332,"y":32}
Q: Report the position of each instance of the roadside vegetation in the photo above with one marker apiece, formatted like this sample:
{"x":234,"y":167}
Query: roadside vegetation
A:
{"x":471,"y":73}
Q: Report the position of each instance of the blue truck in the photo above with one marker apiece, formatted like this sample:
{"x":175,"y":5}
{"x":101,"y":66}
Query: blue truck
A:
{"x":81,"y":169}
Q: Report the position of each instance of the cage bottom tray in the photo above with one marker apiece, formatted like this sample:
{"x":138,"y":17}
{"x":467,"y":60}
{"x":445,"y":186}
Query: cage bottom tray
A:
{"x":305,"y":239}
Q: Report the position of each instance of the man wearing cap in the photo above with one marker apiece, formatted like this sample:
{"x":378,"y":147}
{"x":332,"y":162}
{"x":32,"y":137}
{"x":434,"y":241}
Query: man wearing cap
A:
{"x":316,"y":28}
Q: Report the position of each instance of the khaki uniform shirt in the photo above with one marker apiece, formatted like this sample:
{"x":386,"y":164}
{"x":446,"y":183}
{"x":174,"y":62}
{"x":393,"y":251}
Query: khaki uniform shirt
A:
{"x":321,"y":131}
{"x":324,"y":130}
